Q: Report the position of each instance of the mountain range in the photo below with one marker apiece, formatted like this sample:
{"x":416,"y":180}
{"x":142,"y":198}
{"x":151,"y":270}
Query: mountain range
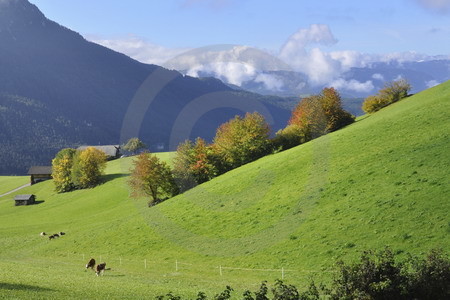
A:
{"x":59,"y":90}
{"x":254,"y":70}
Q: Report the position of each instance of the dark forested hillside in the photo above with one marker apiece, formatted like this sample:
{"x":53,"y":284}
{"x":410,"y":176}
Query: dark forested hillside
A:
{"x":59,"y":90}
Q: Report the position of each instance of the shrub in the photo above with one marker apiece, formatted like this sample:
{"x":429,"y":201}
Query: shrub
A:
{"x":288,"y":137}
{"x":392,"y":92}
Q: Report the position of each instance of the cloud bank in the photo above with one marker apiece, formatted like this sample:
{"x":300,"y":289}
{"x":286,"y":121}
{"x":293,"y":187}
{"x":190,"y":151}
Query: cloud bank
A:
{"x":303,"y":52}
{"x":139,"y":49}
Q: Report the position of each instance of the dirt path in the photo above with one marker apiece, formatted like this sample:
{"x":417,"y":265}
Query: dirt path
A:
{"x":15,"y":190}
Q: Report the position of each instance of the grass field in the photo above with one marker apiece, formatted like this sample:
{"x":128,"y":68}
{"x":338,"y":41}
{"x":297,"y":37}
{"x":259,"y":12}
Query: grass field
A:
{"x":9,"y":183}
{"x":381,"y":181}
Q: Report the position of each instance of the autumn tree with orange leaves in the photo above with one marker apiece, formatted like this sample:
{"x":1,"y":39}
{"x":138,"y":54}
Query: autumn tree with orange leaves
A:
{"x":152,"y":178}
{"x":193,"y":164}
{"x":319,"y":114}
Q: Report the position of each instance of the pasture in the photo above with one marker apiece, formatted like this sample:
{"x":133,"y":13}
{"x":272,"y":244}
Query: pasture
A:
{"x":382,"y":181}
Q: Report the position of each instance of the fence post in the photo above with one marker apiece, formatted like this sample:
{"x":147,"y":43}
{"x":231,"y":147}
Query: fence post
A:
{"x":83,"y":256}
{"x":220,"y":270}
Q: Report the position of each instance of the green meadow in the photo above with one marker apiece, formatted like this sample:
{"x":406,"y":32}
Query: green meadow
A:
{"x":382,"y":181}
{"x":9,"y":183}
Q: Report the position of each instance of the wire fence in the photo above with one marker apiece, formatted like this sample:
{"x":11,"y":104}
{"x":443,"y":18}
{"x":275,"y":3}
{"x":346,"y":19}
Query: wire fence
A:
{"x":207,"y":270}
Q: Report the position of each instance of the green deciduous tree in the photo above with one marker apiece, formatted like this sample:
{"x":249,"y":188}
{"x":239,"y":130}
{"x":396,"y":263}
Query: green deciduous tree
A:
{"x":62,"y":170}
{"x":242,"y":140}
{"x":151,"y":177}
{"x":88,"y":166}
{"x":134,"y":145}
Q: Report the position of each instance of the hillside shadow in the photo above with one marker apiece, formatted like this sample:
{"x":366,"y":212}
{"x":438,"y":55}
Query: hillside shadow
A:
{"x":110,"y":177}
{"x":38,"y":202}
{"x":23,"y":287}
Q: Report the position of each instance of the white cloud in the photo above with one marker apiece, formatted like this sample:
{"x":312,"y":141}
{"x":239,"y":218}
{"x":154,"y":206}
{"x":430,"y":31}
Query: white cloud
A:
{"x":438,"y":6}
{"x":139,"y":49}
{"x":231,"y":72}
{"x":321,"y":67}
{"x":353,"y":85}
{"x":270,"y":82}
{"x":432,"y":83}
{"x":378,"y":76}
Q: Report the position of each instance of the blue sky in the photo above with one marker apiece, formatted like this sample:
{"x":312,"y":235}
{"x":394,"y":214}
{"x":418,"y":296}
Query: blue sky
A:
{"x":380,"y":26}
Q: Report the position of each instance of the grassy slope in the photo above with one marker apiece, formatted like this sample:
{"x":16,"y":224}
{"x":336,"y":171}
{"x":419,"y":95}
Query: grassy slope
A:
{"x":382,"y":181}
{"x":8,"y":183}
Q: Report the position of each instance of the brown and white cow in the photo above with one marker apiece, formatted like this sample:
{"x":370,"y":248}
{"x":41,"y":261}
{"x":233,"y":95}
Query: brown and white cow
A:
{"x":100,"y":269}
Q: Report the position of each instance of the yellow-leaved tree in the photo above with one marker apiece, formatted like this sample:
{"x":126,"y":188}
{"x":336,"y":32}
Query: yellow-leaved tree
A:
{"x":88,"y":166}
{"x":62,"y":170}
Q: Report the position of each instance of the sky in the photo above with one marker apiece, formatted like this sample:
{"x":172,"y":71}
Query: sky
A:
{"x":322,"y":37}
{"x":380,"y":26}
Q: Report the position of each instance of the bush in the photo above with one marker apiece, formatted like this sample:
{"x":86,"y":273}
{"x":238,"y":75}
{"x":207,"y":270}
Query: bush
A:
{"x":377,"y":276}
{"x":392,"y":92}
{"x":288,"y":137}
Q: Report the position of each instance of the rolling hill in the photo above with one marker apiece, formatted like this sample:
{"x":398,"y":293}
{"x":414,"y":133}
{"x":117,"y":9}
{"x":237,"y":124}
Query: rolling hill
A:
{"x":59,"y":90}
{"x":381,"y":181}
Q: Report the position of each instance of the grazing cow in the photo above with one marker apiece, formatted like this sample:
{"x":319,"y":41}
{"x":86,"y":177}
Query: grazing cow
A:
{"x":91,"y":264}
{"x":56,"y":235}
{"x":43,"y":234}
{"x":62,"y":233}
{"x":51,"y":237}
{"x":100,"y":269}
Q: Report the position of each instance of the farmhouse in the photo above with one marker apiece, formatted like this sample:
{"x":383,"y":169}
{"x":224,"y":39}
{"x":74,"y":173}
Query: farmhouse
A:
{"x":40,"y":173}
{"x":111,"y":151}
{"x":24,"y":200}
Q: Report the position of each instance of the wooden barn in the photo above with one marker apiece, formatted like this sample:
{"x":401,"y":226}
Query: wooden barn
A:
{"x":40,"y":173}
{"x":21,"y":200}
{"x":111,"y":151}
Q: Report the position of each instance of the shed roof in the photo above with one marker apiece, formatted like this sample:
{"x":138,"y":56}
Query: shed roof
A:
{"x":109,"y":150}
{"x":23,"y":197}
{"x":35,"y":170}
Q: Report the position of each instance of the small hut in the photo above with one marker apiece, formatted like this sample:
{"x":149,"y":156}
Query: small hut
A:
{"x":24,"y":200}
{"x":40,"y":173}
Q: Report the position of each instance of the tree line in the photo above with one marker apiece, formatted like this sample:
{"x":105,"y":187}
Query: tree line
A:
{"x":237,"y":142}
